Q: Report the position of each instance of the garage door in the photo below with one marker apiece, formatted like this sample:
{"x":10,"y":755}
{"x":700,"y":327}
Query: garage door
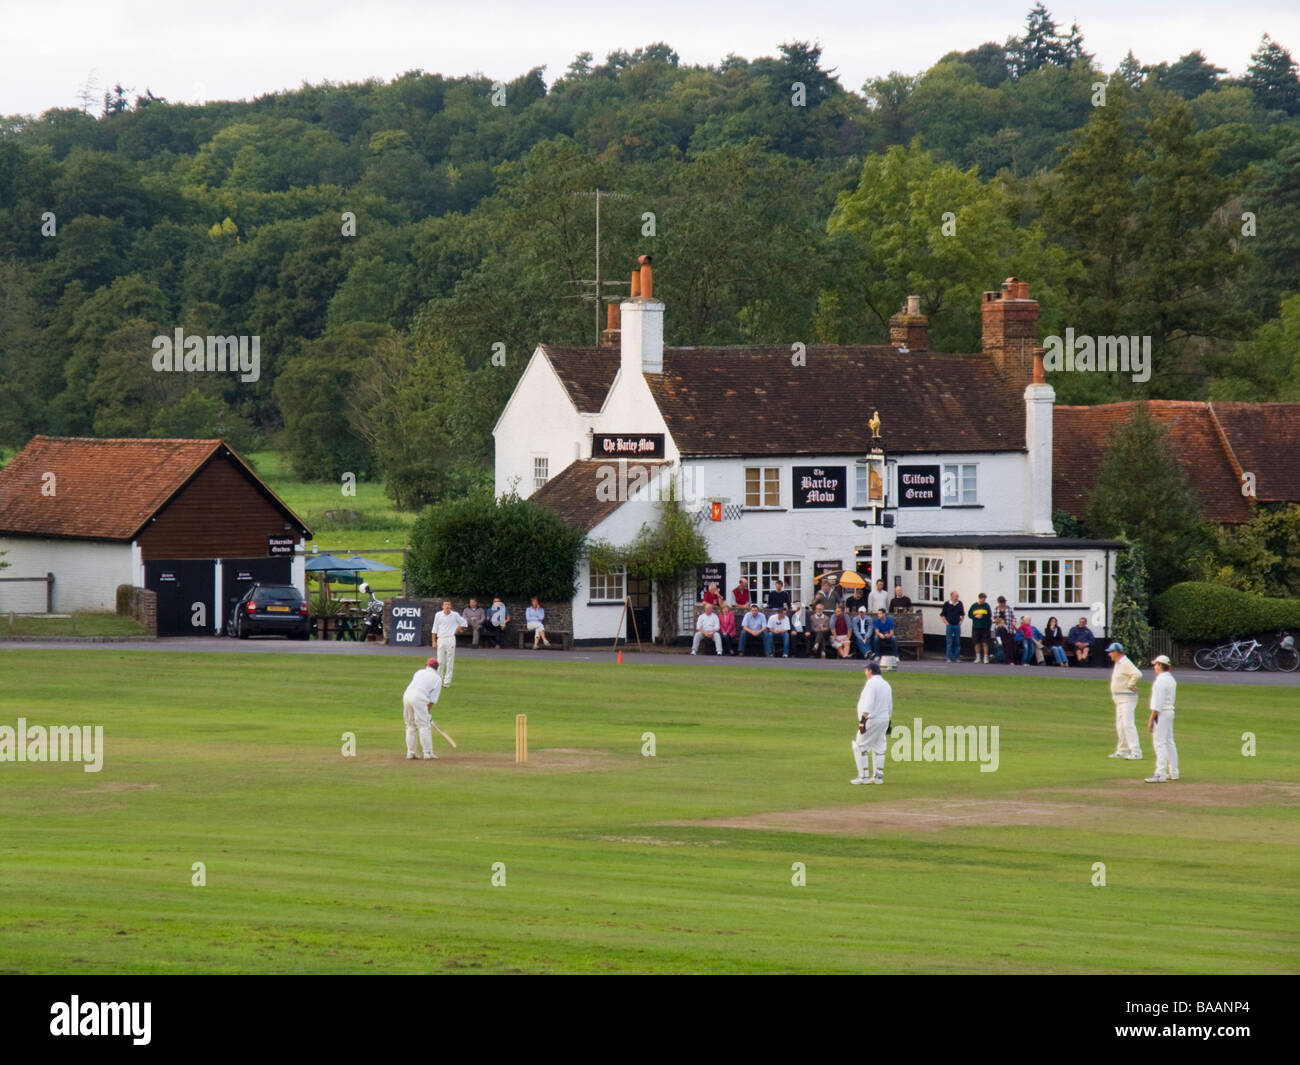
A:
{"x":238,"y":573}
{"x":186,"y":600}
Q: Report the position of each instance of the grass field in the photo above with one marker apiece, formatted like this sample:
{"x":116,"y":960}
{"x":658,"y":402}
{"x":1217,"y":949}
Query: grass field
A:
{"x":316,"y":862}
{"x":379,"y":524}
{"x":81,"y":623}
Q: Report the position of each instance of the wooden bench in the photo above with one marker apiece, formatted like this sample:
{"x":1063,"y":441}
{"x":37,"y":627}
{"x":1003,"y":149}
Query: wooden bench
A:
{"x":909,"y":632}
{"x":556,"y":636}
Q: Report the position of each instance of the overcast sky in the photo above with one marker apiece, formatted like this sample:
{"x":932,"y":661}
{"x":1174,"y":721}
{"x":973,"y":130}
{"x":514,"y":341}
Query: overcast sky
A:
{"x":235,"y":49}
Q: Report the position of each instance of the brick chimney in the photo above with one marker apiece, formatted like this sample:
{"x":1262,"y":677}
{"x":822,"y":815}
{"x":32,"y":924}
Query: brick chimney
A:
{"x":609,"y":336}
{"x":909,"y":328}
{"x":1010,"y":320}
{"x":641,"y":337}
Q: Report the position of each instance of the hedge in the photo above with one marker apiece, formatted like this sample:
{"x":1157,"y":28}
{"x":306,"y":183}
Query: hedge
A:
{"x":1197,"y":610}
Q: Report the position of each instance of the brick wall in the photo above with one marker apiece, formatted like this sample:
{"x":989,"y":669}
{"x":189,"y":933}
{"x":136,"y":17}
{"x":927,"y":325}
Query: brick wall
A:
{"x":141,"y":604}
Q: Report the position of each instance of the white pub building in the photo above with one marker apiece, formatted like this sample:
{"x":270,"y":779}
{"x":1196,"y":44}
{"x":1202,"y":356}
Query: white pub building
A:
{"x":772,"y":450}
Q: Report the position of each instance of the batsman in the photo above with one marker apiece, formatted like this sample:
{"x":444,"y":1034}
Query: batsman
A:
{"x":417,"y":710}
{"x":875,"y":708}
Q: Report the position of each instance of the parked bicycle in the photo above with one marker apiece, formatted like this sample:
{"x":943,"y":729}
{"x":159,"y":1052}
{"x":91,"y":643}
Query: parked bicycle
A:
{"x":1281,"y":654}
{"x":1234,"y":656}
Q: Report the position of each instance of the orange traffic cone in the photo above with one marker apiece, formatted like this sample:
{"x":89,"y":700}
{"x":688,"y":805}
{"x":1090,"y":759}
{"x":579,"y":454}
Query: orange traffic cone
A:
{"x":620,"y":658}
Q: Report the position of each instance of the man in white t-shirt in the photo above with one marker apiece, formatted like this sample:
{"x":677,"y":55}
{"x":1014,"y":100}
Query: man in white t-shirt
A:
{"x":417,"y":702}
{"x":875,"y":708}
{"x":446,"y":623}
{"x":707,"y":627}
{"x":778,"y":625}
{"x":878,"y":599}
{"x":1161,"y":722}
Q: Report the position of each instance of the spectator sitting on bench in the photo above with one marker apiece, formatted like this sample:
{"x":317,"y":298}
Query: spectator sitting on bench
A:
{"x":753,"y":626}
{"x":841,"y":633}
{"x":884,"y":634}
{"x":819,"y":626}
{"x":778,"y":625}
{"x":497,"y":619}
{"x":707,"y":627}
{"x":900,"y":601}
{"x":535,"y":619}
{"x":862,"y":632}
{"x":711,"y":595}
{"x":727,"y":628}
{"x":1082,"y":638}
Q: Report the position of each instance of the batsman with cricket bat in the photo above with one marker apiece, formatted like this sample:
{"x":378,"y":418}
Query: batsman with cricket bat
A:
{"x":417,"y":709}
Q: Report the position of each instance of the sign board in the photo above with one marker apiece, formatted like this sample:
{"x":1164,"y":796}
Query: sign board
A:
{"x":918,"y":486}
{"x":278,"y":546}
{"x":407,"y":627}
{"x":627,"y":445}
{"x":818,"y":487}
{"x":832,"y":567}
{"x":712,"y":573}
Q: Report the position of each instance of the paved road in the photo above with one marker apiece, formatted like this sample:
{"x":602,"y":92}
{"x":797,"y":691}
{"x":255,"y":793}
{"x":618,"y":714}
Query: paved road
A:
{"x":272,"y":645}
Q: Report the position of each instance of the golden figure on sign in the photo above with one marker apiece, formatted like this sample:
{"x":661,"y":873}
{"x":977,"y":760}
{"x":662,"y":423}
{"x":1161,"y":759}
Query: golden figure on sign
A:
{"x":874,"y":424}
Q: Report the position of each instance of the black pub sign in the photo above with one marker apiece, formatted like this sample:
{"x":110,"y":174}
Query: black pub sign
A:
{"x":818,"y":487}
{"x":627,"y":445}
{"x":918,"y":486}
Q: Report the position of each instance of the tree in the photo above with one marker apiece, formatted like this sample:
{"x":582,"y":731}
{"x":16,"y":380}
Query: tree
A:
{"x":1262,"y":556}
{"x":1042,"y":45}
{"x":1272,"y":77}
{"x":478,"y":545}
{"x":1192,"y":75}
{"x":1264,"y":368}
{"x":1142,"y":494}
{"x":1129,"y":622}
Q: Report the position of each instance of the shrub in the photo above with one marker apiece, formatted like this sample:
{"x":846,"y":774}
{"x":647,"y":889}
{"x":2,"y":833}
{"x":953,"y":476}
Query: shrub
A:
{"x":1196,"y":610}
{"x":478,"y":545}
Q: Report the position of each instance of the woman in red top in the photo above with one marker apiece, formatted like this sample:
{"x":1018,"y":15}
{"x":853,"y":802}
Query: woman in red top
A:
{"x":727,"y":627}
{"x":711,"y":595}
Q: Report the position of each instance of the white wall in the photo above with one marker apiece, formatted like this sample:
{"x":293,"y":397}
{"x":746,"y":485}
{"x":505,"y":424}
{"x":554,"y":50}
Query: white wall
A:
{"x":539,"y":419}
{"x":86,"y":574}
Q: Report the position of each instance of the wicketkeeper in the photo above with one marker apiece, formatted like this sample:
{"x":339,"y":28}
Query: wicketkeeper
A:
{"x":417,"y":707}
{"x":875,"y":707}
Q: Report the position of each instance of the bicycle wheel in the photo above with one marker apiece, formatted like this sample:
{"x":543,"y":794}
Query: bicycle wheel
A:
{"x":1232,"y":660}
{"x":1270,"y":663}
{"x":1253,"y":661}
{"x":1207,"y":658}
{"x":1286,"y":659}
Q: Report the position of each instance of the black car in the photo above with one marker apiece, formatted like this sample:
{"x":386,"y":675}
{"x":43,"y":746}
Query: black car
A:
{"x":277,"y":609}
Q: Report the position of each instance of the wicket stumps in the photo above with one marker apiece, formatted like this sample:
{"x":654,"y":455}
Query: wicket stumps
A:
{"x":521,"y":738}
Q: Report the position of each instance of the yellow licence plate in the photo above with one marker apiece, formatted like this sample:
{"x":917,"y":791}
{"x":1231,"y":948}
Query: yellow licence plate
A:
{"x":278,"y":609}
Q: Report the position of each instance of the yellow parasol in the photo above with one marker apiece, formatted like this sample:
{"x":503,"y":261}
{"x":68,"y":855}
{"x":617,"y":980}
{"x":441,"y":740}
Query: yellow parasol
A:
{"x":851,"y":579}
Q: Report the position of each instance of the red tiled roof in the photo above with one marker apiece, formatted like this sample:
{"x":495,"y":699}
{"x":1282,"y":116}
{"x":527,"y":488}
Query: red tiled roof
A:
{"x":587,"y":373}
{"x":572,"y":493}
{"x":752,"y":401}
{"x":1265,"y":437}
{"x":1080,"y":436}
{"x":102,"y":489}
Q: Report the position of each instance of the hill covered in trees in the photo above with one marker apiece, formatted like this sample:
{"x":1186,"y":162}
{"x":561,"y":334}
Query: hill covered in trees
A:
{"x":392,"y":244}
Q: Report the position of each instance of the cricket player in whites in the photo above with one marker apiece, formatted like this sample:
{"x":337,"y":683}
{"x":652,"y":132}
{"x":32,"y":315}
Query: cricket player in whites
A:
{"x":1124,"y":691}
{"x":417,"y":703}
{"x":875,"y":707}
{"x":1161,"y":722}
{"x":446,"y":623}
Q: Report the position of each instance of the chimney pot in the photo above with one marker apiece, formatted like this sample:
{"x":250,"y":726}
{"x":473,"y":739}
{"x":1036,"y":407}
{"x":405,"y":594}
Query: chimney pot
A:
{"x":914,"y":305}
{"x":647,"y":277}
{"x":636,"y":284}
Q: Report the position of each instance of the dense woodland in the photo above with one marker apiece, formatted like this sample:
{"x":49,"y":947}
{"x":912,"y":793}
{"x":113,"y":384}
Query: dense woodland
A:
{"x":780,"y":205}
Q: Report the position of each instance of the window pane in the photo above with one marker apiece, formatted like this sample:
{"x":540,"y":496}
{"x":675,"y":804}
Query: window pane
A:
{"x":1072,"y":590}
{"x":1028,"y":581}
{"x":772,"y":487}
{"x":752,"y":496}
{"x":968,"y":494}
{"x":860,"y":486}
{"x":1051,"y":580}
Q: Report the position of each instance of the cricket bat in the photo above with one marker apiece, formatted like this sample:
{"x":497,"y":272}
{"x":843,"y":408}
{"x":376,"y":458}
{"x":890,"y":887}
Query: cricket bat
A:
{"x":444,"y":735}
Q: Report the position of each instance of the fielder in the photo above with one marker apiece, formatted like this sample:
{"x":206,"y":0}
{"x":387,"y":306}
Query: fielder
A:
{"x":417,"y":705}
{"x":446,"y":623}
{"x":1124,"y":690}
{"x":1161,"y":722}
{"x":875,"y":707}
